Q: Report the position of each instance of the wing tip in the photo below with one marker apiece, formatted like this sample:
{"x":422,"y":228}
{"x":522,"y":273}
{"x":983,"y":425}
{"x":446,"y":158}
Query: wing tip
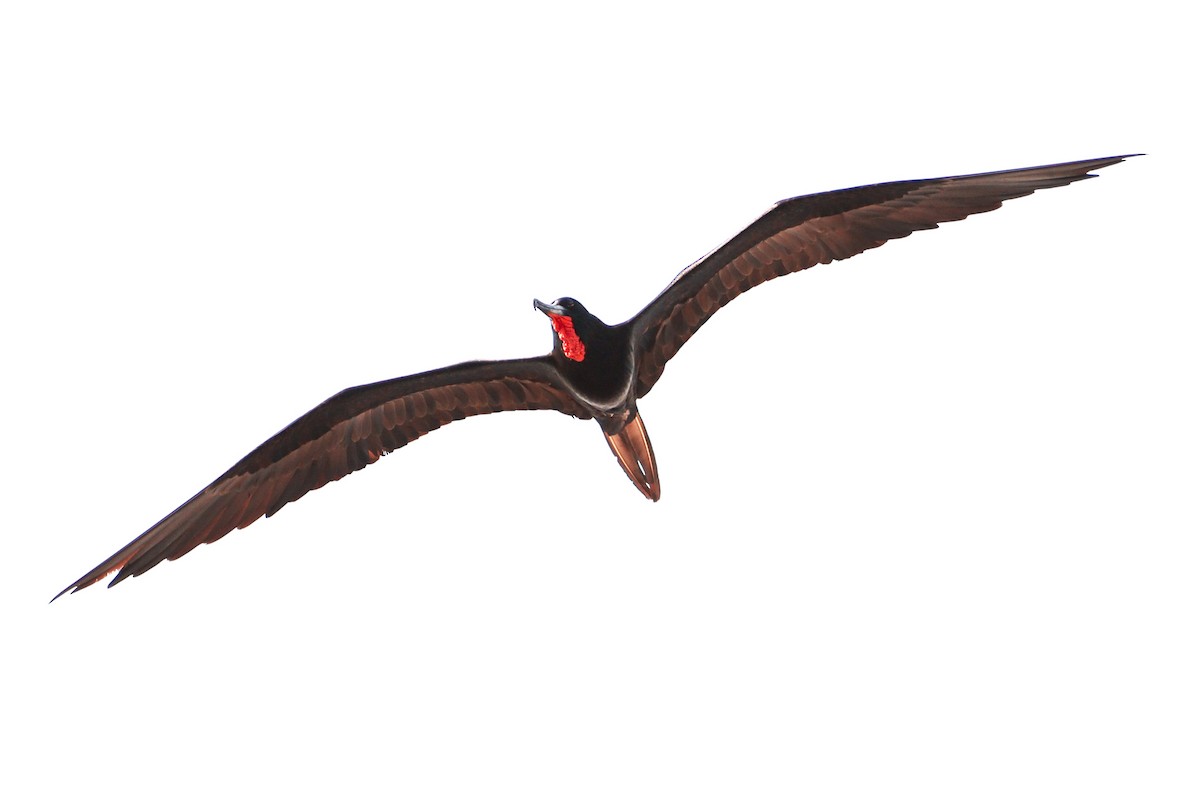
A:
{"x":78,"y":585}
{"x":93,"y":577}
{"x":1101,"y":163}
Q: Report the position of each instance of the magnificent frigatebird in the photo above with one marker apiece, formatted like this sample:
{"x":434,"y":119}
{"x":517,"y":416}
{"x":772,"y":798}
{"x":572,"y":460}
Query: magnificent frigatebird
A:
{"x":594,"y":371}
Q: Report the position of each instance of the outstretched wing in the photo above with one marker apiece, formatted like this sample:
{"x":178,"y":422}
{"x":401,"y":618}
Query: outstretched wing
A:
{"x":804,"y":231}
{"x":345,"y":433}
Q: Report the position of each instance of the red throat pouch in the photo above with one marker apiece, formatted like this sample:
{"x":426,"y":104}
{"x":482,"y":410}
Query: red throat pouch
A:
{"x":572,"y":347}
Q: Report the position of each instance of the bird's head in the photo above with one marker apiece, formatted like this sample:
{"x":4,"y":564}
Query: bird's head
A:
{"x":573,"y":326}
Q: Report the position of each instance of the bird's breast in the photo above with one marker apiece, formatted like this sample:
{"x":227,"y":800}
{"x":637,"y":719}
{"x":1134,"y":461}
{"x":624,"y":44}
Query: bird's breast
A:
{"x":604,"y":382}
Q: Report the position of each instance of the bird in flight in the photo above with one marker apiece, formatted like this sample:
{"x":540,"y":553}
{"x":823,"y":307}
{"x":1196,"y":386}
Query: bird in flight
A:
{"x":594,"y":370}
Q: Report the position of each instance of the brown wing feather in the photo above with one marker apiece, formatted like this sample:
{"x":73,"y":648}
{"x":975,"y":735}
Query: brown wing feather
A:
{"x":345,"y":433}
{"x":820,"y":228}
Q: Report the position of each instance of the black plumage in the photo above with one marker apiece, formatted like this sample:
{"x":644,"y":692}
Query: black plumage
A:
{"x":594,"y":370}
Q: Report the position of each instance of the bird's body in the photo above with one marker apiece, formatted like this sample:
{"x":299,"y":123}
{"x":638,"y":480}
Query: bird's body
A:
{"x":594,"y":370}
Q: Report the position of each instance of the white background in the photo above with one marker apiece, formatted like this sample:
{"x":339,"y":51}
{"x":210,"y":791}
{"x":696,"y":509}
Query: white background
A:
{"x":928,"y":534}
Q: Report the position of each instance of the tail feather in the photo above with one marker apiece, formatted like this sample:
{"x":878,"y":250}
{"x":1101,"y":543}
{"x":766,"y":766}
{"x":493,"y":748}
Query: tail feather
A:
{"x":631,"y":446}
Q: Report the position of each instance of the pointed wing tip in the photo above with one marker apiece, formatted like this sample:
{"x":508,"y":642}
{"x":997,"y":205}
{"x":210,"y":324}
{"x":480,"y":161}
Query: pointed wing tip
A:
{"x":81,"y":583}
{"x":78,"y":585}
{"x":1115,"y":159}
{"x":1066,"y":172}
{"x":1086,"y":169}
{"x":1096,"y":164}
{"x":92,"y":578}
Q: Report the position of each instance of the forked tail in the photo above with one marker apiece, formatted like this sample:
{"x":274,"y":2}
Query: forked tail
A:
{"x":631,"y":446}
